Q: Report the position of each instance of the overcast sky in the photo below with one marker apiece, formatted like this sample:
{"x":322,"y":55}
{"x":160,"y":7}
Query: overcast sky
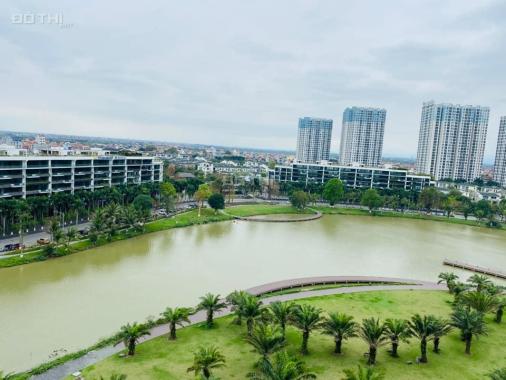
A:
{"x":241,"y":73}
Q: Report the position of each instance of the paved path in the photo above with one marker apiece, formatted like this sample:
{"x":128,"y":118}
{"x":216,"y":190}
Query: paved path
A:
{"x":93,"y":357}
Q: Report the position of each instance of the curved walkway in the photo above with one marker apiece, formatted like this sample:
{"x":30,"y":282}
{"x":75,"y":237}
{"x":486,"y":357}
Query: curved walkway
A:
{"x":381,"y":284}
{"x":258,"y":218}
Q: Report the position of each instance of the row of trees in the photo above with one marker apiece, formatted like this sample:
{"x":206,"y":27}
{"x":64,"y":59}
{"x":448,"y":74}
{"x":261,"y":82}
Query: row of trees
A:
{"x":21,"y":214}
{"x":266,"y":329}
{"x":429,"y":199}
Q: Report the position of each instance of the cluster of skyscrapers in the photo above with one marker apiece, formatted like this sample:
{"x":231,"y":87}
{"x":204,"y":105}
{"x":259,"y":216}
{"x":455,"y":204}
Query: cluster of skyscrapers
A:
{"x":451,"y":141}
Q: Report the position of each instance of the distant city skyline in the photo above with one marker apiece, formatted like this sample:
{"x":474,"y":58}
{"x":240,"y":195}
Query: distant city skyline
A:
{"x":231,"y":80}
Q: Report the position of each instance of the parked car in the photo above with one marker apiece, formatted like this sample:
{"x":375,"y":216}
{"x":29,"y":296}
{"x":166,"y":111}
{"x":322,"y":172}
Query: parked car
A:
{"x":12,"y":247}
{"x":84,"y":231}
{"x":43,"y":241}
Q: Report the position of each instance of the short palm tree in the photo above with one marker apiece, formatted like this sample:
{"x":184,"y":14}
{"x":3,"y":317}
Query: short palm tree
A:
{"x":373,"y":333}
{"x":498,"y":374}
{"x":210,"y":303}
{"x":205,"y":359}
{"x":441,"y":328}
{"x":266,"y":339}
{"x":176,"y":317}
{"x":283,"y":367}
{"x":235,"y":300}
{"x":130,"y":334}
{"x":458,"y":289}
{"x":470,"y":323}
{"x":479,"y":281}
{"x":449,"y":278}
{"x":363,"y":373}
{"x":250,"y":310}
{"x":422,"y":328}
{"x":341,"y":327}
{"x":479,"y":301}
{"x":398,"y":331}
{"x":281,"y":313}
{"x":306,"y":318}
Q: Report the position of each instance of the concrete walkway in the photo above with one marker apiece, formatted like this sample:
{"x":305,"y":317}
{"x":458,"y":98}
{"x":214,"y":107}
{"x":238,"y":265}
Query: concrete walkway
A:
{"x":259,"y":218}
{"x":382,"y":284}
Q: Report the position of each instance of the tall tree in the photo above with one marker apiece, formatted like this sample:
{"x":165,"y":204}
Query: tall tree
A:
{"x":371,"y":199}
{"x":202,"y":194}
{"x":333,"y":191}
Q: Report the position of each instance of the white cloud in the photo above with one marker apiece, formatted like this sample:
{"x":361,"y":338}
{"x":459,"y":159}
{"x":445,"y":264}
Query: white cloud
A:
{"x":241,"y":73}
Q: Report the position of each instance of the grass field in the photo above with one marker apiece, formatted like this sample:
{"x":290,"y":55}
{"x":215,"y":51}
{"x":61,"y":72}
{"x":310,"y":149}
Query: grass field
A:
{"x":162,"y":359}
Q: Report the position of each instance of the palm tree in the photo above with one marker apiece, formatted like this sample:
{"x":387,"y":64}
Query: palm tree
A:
{"x":479,"y":281}
{"x":479,"y":301}
{"x":498,"y":374}
{"x":250,"y":310}
{"x":458,"y":288}
{"x":205,"y":359}
{"x":283,"y":367}
{"x":306,"y":318}
{"x":470,"y":323}
{"x":397,"y":330}
{"x":128,"y":216}
{"x":210,"y":303}
{"x":449,"y":278}
{"x":441,"y":328}
{"x":266,"y":339}
{"x":422,"y":328}
{"x":341,"y":327}
{"x":363,"y":373}
{"x":235,"y":300}
{"x":176,"y":317}
{"x":130,"y":334}
{"x":281,"y":313}
{"x":53,"y":227}
{"x":373,"y":333}
{"x":70,"y":235}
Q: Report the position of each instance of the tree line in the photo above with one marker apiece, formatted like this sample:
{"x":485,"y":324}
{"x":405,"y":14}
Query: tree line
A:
{"x":428,"y":200}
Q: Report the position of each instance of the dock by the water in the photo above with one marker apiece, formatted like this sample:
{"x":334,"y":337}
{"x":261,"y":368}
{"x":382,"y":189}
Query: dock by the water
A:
{"x":475,"y":268}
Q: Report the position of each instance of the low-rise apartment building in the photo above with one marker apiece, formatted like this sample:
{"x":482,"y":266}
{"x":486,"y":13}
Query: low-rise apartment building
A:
{"x":351,"y":176}
{"x":38,"y":175}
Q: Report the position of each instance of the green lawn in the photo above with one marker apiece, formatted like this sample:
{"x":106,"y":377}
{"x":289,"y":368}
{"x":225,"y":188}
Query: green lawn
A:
{"x":264,"y":209}
{"x":163,"y":359}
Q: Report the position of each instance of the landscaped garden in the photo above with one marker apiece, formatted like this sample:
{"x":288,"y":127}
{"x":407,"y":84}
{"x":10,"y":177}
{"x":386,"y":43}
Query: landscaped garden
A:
{"x":230,"y":351}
